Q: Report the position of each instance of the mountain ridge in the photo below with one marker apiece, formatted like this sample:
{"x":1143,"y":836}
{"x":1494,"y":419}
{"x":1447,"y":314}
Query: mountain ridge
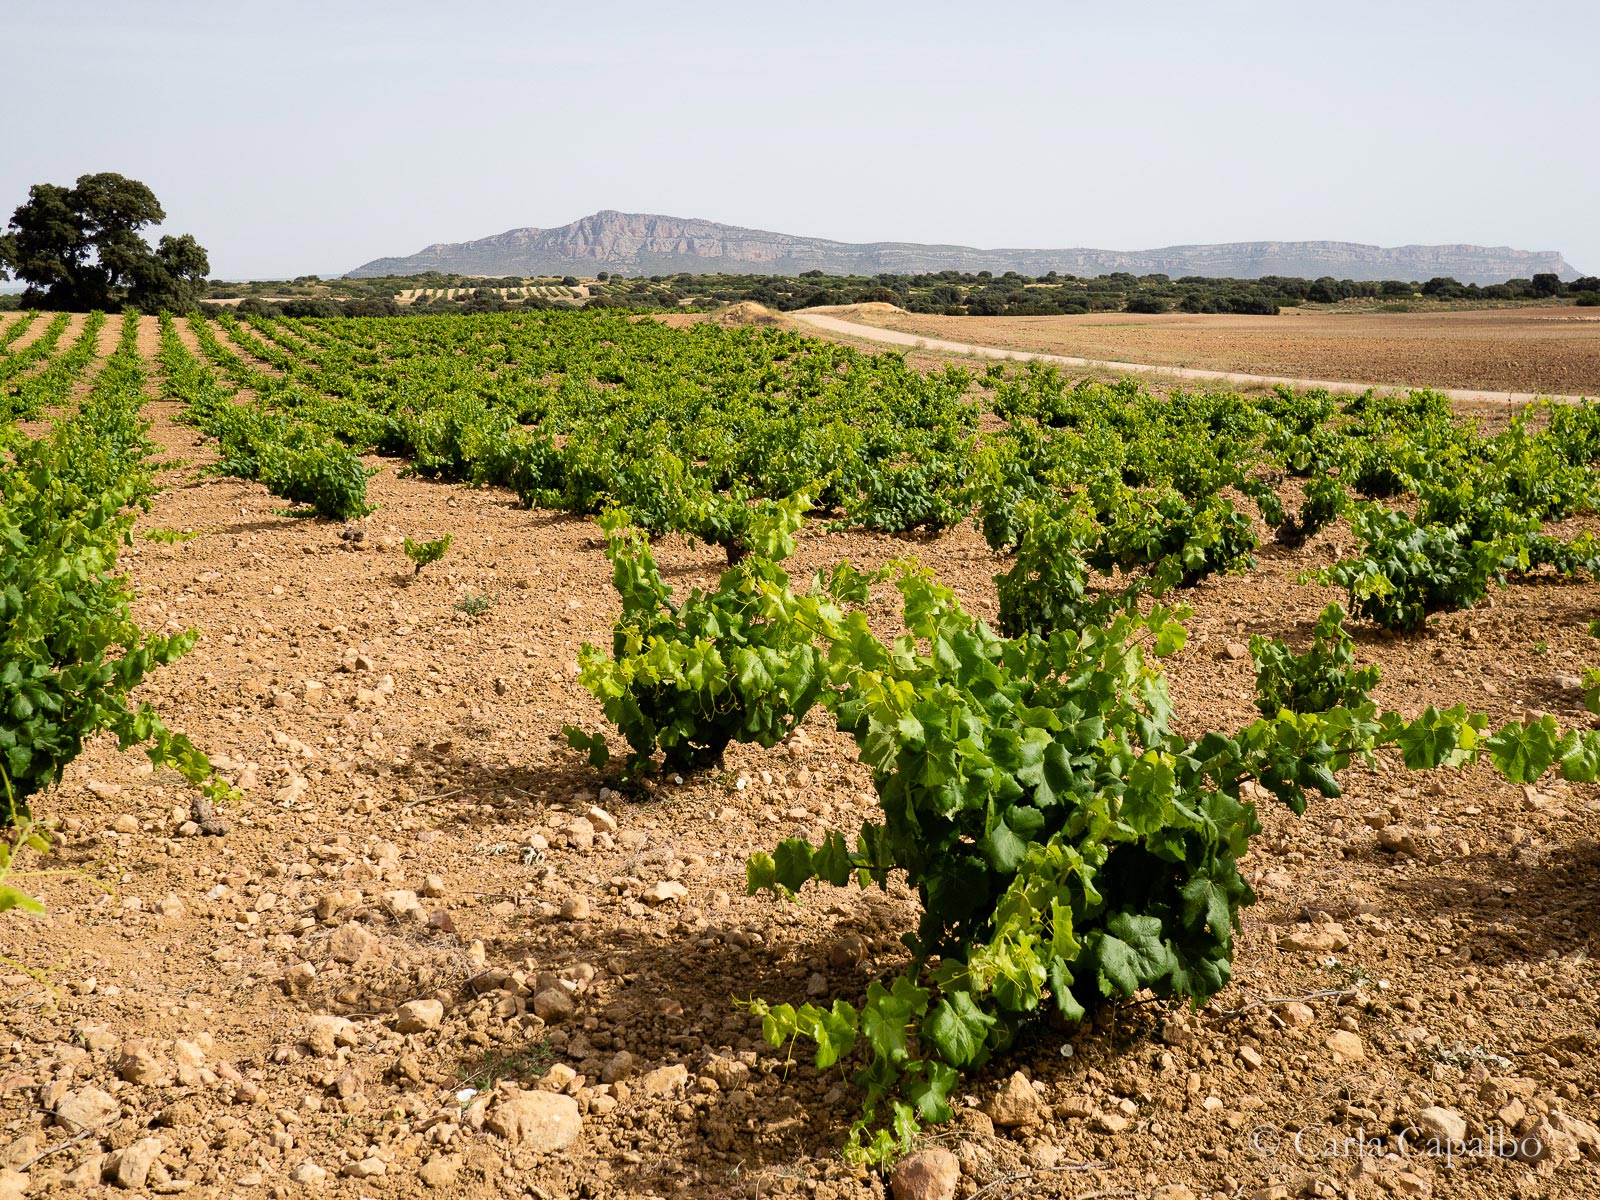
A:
{"x":651,"y":244}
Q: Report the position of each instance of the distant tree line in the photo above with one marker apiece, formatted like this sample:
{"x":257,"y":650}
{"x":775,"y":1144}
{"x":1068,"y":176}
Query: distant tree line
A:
{"x":951,"y":292}
{"x":954,"y":292}
{"x":1013,"y":294}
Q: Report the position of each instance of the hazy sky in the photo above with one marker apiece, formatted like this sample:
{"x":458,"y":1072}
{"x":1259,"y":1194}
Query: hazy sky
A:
{"x":311,"y":137}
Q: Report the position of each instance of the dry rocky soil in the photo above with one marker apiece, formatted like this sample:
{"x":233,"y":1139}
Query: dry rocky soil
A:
{"x":1552,"y":350}
{"x":429,"y":954}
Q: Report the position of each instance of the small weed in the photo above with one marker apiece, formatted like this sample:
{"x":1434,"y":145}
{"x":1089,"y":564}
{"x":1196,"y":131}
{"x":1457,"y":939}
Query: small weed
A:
{"x":1351,"y":974}
{"x":1463,"y":1056}
{"x":475,"y":604}
{"x":484,"y":1070}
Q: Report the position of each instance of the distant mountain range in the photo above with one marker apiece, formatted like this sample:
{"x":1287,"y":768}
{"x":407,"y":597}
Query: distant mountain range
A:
{"x":642,"y":244}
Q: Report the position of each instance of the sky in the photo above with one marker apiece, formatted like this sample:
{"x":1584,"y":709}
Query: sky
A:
{"x":294,"y":138}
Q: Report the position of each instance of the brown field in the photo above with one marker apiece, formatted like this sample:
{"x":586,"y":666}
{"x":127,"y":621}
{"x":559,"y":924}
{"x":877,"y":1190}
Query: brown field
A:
{"x":391,"y":745}
{"x":1554,"y":350}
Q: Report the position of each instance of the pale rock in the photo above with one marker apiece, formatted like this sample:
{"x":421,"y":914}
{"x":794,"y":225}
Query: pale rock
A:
{"x":1583,"y":1134}
{"x":170,"y":906}
{"x":440,"y":1171}
{"x":558,"y":1078}
{"x":418,"y":1016}
{"x":1345,"y":1044}
{"x":293,"y":791}
{"x":87,"y":1108}
{"x":667,"y":891}
{"x":1444,"y":1125}
{"x":324,"y":1032}
{"x":1398,"y":839}
{"x":1235,"y":650}
{"x":402,"y":904}
{"x":1175,"y":1031}
{"x":351,"y":943}
{"x":1545,"y":1145}
{"x":931,"y":1174}
{"x":620,"y":1066}
{"x":21,"y":1150}
{"x":1298,"y":1015}
{"x":139,"y":1063}
{"x":541,"y":1122}
{"x":366,"y":1168}
{"x":1106,"y":1122}
{"x":1173,"y":1191}
{"x":309,"y":1174}
{"x":13,"y":1184}
{"x":553,"y":1005}
{"x":87,"y":1174}
{"x":1016,"y":1105}
{"x":1075,"y":1108}
{"x":727,"y":1073}
{"x":601,"y":820}
{"x":665,"y":1081}
{"x":329,"y":905}
{"x":133,"y":1164}
{"x":433,"y":886}
{"x":580,"y":833}
{"x":1315,"y":939}
{"x":126,"y":823}
{"x":192,"y":1053}
{"x":190,"y":1058}
{"x":575,"y":908}
{"x":298,"y":978}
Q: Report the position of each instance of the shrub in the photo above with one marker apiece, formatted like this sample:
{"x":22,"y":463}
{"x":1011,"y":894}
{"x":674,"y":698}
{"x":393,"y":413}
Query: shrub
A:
{"x":1316,"y":681}
{"x":688,"y":679}
{"x":1408,"y":571}
{"x":424,"y":554}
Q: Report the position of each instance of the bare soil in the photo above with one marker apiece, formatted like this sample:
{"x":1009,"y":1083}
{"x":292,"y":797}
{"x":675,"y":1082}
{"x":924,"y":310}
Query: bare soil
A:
{"x":1544,"y":350}
{"x":190,"y":978}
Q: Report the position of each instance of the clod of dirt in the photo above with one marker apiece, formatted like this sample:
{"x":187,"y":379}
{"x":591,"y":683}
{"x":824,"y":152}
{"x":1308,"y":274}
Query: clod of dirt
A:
{"x":203,"y":813}
{"x":542,"y":1122}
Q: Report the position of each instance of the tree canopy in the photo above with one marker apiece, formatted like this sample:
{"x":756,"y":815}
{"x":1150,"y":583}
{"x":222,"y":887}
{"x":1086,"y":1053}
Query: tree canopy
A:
{"x":81,"y":247}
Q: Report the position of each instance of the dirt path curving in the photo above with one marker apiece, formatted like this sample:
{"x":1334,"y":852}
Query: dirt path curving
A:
{"x":824,"y":321}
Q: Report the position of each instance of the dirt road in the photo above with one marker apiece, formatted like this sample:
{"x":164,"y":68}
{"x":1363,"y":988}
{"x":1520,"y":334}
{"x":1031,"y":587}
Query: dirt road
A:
{"x":823,"y":320}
